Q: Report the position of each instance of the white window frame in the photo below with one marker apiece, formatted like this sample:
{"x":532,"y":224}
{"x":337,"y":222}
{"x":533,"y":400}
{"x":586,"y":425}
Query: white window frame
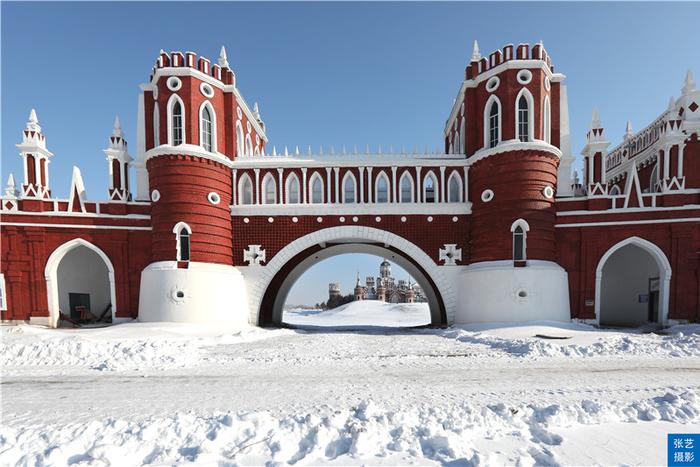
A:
{"x":407,"y":175}
{"x":349,"y":176}
{"x":615,"y":191}
{"x":156,"y":125}
{"x":268,"y":178}
{"x":522,"y":223}
{"x":530,"y":115}
{"x":240,"y":140}
{"x":487,"y":126}
{"x":436,"y":190}
{"x":176,"y":230}
{"x":315,"y":177}
{"x":455,"y":176}
{"x":462,"y":147}
{"x":547,"y":121}
{"x":241,"y":190}
{"x":171,"y":103}
{"x":287,"y":185}
{"x":3,"y":293}
{"x":382,"y":175}
{"x":248,"y":146}
{"x":207,"y":105}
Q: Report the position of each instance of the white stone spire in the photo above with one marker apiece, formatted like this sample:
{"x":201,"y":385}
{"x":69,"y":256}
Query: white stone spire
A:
{"x":595,"y":119}
{"x":628,"y":130}
{"x":33,"y":122}
{"x":223,"y":60}
{"x":671,"y":103}
{"x":11,"y":189}
{"x":476,"y":55}
{"x":256,"y":111}
{"x":689,"y":84}
{"x":117,"y":131}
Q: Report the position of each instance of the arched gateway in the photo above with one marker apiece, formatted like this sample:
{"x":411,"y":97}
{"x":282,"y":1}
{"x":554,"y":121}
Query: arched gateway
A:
{"x":292,"y":261}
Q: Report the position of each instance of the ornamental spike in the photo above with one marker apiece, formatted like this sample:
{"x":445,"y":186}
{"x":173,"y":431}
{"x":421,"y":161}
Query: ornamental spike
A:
{"x":223,"y":59}
{"x":476,"y":55}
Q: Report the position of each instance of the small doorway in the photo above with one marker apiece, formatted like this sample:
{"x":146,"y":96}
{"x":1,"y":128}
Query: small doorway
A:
{"x":76,"y":300}
{"x":654,"y":300}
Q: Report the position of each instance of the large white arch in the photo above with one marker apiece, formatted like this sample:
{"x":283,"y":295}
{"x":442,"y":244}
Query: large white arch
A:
{"x":664,"y":274}
{"x":259,"y":278}
{"x":51,"y":275}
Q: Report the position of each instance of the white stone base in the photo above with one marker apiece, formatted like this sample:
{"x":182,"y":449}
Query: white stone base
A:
{"x":202,"y":293}
{"x":40,"y":321}
{"x":496,"y":291}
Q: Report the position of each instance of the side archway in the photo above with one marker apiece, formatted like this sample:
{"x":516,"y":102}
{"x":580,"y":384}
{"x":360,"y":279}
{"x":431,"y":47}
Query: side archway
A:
{"x":54,"y":288}
{"x":663,"y":268}
{"x":275,"y":280}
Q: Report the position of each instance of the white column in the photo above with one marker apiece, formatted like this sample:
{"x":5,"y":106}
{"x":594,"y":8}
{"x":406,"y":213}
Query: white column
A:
{"x":328,"y":185}
{"x":257,"y":186}
{"x":466,"y":184}
{"x":667,"y":165}
{"x":370,"y":185}
{"x":111,"y":174}
{"x":235,"y":187}
{"x":122,"y":167}
{"x":419,"y":185}
{"x":48,"y":161}
{"x":280,"y":189}
{"x":303,"y":185}
{"x":337,"y":186}
{"x":442,"y":185}
{"x":681,"y":147}
{"x":37,"y":171}
{"x":362,"y":184}
{"x":394,"y":198}
{"x":26,"y":172}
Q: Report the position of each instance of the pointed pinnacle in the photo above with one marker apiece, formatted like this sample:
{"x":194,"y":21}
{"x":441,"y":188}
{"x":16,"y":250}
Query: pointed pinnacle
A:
{"x":223,"y":59}
{"x":595,"y":118}
{"x":476,"y":55}
{"x":11,"y":181}
{"x":32,"y":117}
{"x":689,"y":84}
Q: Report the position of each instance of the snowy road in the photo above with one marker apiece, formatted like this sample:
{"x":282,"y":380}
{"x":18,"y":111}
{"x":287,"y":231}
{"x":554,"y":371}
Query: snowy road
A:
{"x":323,"y":396}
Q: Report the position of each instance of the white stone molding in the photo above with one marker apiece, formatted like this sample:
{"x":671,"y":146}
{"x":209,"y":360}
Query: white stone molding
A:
{"x":254,"y":255}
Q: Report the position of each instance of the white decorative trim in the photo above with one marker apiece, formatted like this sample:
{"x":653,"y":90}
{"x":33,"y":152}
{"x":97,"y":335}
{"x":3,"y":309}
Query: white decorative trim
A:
{"x":664,"y":271}
{"x":382,"y":175}
{"x":408,"y":176}
{"x":254,"y":255}
{"x":493,"y":84}
{"x":349,"y":175}
{"x":51,"y":275}
{"x":214,"y":126}
{"x":169,"y":116}
{"x":155,"y":196}
{"x":487,"y":195}
{"x":75,"y":226}
{"x":514,"y":145}
{"x":487,"y":127}
{"x":460,"y":193}
{"x":176,"y":230}
{"x":287,"y":185}
{"x":268,"y":178}
{"x":241,"y":187}
{"x":173,"y":83}
{"x":206,"y":90}
{"x":548,"y":192}
{"x":351,"y":161}
{"x":524,"y":77}
{"x":450,"y":254}
{"x":214,"y":197}
{"x":436,"y":188}
{"x":530,"y":114}
{"x":628,"y":210}
{"x":652,"y":221}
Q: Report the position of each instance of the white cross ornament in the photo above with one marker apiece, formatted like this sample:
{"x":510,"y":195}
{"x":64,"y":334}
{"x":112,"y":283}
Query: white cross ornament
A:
{"x":450,"y":254}
{"x":254,"y":255}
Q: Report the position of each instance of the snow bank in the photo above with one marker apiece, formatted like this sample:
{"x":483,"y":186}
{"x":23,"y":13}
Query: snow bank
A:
{"x":522,"y":434}
{"x":573,"y":340}
{"x":128,"y":346}
{"x":362,"y":313}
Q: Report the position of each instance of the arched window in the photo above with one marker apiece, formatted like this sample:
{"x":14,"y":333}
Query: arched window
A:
{"x":462,"y":147}
{"x":654,"y":180}
{"x":519,"y":230}
{"x":240,"y":151}
{"x":176,"y":119}
{"x":492,"y":123}
{"x":547,"y":121}
{"x":245,"y":190}
{"x":615,"y":190}
{"x":429,"y":188}
{"x":248,"y":146}
{"x":406,"y":188}
{"x":316,"y":189}
{"x":292,"y":189}
{"x":156,"y":125}
{"x":454,"y":185}
{"x":269,"y":189}
{"x":523,"y":119}
{"x":382,"y":189}
{"x":182,"y":233}
{"x":206,"y":127}
{"x":349,"y":188}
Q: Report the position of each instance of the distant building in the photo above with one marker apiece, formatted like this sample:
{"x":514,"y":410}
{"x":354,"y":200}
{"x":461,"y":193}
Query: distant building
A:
{"x":384,"y":288}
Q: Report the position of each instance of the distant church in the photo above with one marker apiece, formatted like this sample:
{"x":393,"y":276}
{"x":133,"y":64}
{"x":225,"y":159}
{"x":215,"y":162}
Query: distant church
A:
{"x":384,"y":288}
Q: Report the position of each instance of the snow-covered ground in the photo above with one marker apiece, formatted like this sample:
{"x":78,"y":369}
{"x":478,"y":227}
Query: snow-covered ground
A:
{"x":492,"y":394}
{"x":364,"y":313}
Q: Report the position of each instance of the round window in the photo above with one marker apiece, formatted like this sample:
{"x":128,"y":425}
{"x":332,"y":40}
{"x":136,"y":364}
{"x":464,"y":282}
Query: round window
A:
{"x":295,"y":219}
{"x":487,"y":195}
{"x":492,"y":84}
{"x":524,"y":76}
{"x":206,"y":90}
{"x":174,"y":83}
{"x":155,"y":195}
{"x":378,"y":219}
{"x":214,"y":198}
{"x":548,"y":192}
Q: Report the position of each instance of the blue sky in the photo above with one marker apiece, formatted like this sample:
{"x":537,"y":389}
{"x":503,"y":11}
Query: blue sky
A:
{"x":326,"y":73}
